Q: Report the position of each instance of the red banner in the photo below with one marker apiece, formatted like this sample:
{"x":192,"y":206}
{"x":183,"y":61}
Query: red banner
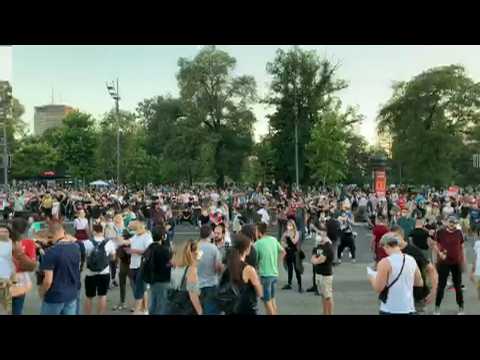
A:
{"x":380,"y":183}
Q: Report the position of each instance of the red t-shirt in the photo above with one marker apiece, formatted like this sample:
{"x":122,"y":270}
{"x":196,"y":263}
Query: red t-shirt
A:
{"x":29,"y":249}
{"x":378,"y":231}
{"x":452,"y":242}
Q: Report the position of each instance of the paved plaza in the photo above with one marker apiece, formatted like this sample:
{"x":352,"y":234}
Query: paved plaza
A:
{"x":353,"y":294}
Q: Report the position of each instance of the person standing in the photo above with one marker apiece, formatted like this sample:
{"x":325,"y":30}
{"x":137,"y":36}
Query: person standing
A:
{"x":7,"y":271}
{"x":475,"y":272}
{"x":347,"y":239}
{"x":396,"y":276}
{"x":81,"y":227}
{"x":209,"y":267}
{"x":99,"y":251}
{"x":422,"y":295}
{"x":322,"y":260}
{"x":160,"y":267}
{"x":291,"y":242}
{"x":421,"y":238}
{"x":243,"y":276}
{"x":449,"y":248}
{"x":24,"y":283}
{"x":378,"y":231}
{"x":268,"y":249}
{"x":406,"y":222}
{"x":184,"y":293}
{"x":138,"y":244}
{"x":61,"y":268}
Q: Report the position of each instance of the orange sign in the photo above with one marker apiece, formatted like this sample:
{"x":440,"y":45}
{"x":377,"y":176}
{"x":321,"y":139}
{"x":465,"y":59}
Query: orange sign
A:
{"x":380,"y":183}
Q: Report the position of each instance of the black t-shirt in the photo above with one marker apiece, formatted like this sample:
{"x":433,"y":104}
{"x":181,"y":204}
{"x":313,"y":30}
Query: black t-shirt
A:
{"x":161,"y":263}
{"x":420,"y":238}
{"x":95,"y":212}
{"x":419,"y":293}
{"x":464,"y":212}
{"x":325,"y":250}
{"x":204,"y":219}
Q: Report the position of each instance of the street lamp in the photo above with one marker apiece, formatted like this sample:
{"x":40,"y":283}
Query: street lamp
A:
{"x":114,"y":93}
{"x":5,"y":115}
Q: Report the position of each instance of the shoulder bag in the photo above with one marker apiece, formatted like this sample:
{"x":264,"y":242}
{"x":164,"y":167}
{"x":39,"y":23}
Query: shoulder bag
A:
{"x":383,"y":296}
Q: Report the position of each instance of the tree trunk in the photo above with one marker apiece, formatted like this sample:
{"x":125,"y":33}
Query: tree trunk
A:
{"x":219,"y":169}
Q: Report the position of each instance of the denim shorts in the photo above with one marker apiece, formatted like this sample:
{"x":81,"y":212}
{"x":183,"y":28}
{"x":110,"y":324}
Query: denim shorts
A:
{"x":268,"y":284}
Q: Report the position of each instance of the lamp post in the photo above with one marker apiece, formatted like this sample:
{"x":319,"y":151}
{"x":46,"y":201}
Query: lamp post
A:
{"x":5,"y":114}
{"x":114,"y":93}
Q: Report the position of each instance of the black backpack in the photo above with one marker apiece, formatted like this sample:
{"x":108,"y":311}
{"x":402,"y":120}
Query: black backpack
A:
{"x":98,"y":259}
{"x":147,"y":267}
{"x":228,"y":295}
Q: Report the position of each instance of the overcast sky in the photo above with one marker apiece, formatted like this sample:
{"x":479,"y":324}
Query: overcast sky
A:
{"x":78,"y":73}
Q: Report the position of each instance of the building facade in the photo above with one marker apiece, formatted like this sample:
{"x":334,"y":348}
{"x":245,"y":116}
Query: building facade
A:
{"x":49,"y":116}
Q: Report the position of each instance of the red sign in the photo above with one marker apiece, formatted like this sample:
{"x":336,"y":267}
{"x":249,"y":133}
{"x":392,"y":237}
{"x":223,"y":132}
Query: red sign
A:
{"x":48,"y":173}
{"x":453,"y":191}
{"x":380,"y":183}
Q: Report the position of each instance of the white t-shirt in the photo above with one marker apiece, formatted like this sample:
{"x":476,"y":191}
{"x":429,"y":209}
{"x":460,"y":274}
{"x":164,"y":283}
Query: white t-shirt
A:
{"x":6,"y":259}
{"x":363,"y":201}
{"x":80,"y":224}
{"x":109,"y":249}
{"x":139,"y":242}
{"x":476,"y":249}
{"x":264,"y":214}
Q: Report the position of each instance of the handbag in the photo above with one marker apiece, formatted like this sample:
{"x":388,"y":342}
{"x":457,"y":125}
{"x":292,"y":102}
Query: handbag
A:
{"x":179,"y":302}
{"x":383,"y":296}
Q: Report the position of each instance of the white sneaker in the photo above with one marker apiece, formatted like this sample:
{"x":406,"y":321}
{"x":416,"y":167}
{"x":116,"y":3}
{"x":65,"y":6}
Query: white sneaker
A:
{"x":437,"y":311}
{"x":146,"y":312}
{"x":461,"y":312}
{"x":354,"y":261}
{"x":350,"y":255}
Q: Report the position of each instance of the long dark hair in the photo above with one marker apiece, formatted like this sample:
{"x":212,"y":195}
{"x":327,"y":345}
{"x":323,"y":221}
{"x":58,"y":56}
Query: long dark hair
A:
{"x":234,"y":263}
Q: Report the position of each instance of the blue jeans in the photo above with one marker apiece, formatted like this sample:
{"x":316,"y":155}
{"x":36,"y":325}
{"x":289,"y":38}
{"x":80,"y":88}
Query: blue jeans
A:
{"x":78,"y":302}
{"x":158,"y":298}
{"x":17,"y":305}
{"x":207,"y":299}
{"x":138,"y":284}
{"x":69,"y":308}
{"x":268,"y":284}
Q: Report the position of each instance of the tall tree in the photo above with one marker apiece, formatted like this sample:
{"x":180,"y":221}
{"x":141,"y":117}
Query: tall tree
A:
{"x":329,"y":145}
{"x":427,"y":118}
{"x":219,"y":101}
{"x":302,"y":87}
{"x":31,"y":158}
{"x":77,"y":145}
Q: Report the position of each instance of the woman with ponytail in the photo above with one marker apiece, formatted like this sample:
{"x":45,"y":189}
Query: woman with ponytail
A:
{"x":243,"y":276}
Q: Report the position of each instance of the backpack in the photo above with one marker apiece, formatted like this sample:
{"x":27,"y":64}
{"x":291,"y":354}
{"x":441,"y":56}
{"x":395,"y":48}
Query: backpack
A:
{"x":98,"y":259}
{"x":147,"y":266}
{"x":228,"y":295}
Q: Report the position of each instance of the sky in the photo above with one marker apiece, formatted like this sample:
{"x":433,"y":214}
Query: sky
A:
{"x":5,"y":63}
{"x":78,"y":73}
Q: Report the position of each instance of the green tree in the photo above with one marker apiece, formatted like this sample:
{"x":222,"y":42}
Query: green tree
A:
{"x":217,"y":100}
{"x":427,"y":118}
{"x":301,"y":89}
{"x":77,"y":145}
{"x":106,"y":148}
{"x":329,"y":145}
{"x":358,"y":161}
{"x":31,"y":158}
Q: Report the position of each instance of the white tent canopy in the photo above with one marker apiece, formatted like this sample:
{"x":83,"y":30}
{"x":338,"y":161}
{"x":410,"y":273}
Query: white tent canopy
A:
{"x":99,"y":183}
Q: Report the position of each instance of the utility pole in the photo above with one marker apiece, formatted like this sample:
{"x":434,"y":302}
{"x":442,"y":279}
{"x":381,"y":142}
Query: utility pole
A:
{"x":115,"y":94}
{"x":5,"y":114}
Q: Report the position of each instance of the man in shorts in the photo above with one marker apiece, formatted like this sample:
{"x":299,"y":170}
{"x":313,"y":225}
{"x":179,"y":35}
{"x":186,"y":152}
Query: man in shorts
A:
{"x":322,"y":260}
{"x":268,"y":249}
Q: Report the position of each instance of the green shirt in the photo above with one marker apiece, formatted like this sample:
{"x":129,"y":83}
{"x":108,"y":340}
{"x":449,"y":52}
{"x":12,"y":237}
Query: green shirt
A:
{"x":407,"y":224}
{"x":267,"y":249}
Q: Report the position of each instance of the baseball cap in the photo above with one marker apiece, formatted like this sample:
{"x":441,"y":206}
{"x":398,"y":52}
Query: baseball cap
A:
{"x":452,"y":220}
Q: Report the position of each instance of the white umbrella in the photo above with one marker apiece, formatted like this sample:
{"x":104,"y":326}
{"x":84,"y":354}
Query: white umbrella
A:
{"x":99,"y":183}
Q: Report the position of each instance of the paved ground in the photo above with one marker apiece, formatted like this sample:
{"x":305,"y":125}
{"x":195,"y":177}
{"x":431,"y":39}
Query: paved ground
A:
{"x":352,"y":292}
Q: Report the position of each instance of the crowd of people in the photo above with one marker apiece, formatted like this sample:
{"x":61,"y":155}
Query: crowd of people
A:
{"x":79,"y":244}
